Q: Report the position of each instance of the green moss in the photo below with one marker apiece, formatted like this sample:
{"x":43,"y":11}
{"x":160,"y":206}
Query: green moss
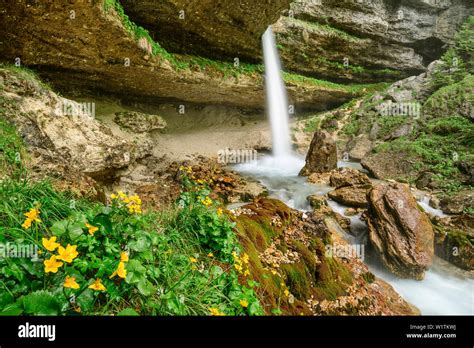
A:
{"x":12,"y":149}
{"x":298,"y":279}
{"x":333,"y":279}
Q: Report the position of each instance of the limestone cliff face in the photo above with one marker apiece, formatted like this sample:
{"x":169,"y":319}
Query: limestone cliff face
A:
{"x":377,"y":39}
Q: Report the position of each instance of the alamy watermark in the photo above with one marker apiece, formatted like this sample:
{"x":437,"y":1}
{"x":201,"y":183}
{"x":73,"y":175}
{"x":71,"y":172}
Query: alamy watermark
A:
{"x":75,"y":109}
{"x":348,"y":251}
{"x":389,"y":108}
{"x":24,"y":251}
{"x":236,"y":156}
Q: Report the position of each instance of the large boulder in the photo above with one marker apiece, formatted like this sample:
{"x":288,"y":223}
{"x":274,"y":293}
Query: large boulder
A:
{"x":399,"y":231}
{"x":322,"y":155}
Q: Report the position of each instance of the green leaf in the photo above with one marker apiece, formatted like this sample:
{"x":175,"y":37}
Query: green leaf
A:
{"x":139,"y":245}
{"x":127,"y":312}
{"x":41,"y":303}
{"x":59,"y":228}
{"x":135,"y":272}
{"x":145,"y":287}
{"x":13,"y":309}
{"x":75,"y":230}
{"x":85,"y":300}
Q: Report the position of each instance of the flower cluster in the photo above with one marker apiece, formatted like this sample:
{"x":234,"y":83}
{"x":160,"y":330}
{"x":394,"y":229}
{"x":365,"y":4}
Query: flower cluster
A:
{"x":241,"y":263}
{"x":66,"y":254}
{"x":31,"y":216}
{"x":133,"y":203}
{"x":207,"y":202}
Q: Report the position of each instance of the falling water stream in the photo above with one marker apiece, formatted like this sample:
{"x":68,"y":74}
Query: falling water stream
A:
{"x":445,"y":290}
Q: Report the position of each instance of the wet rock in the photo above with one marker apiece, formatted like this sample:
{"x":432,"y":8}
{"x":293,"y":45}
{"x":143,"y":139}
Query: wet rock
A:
{"x":348,"y":177}
{"x":317,"y":202}
{"x":454,"y":239}
{"x":322,"y":155}
{"x":139,"y":122}
{"x":352,"y":196}
{"x":322,"y":209}
{"x":111,"y":63}
{"x":458,"y":202}
{"x":351,"y":211}
{"x":434,"y":202}
{"x":400,"y":233}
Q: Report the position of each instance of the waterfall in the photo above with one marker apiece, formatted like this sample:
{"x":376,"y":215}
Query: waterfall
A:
{"x":277,"y":100}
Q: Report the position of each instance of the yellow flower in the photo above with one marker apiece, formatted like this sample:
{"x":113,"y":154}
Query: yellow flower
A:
{"x":244,"y":303}
{"x":121,"y":194}
{"x":219,"y":211}
{"x":245,"y":258}
{"x":206,"y":201}
{"x":70,"y":282}
{"x":216,"y":312}
{"x":67,"y":254}
{"x":27,"y":224}
{"x":238,"y":267}
{"x":97,"y":285}
{"x":92,"y":229}
{"x":124,"y":256}
{"x":134,"y":209}
{"x":287,"y":293}
{"x":193,"y":259}
{"x":210,"y":255}
{"x":120,"y":271}
{"x":52,"y":265}
{"x":247,"y":272}
{"x":50,"y":244}
{"x":113,"y":196}
{"x":33,"y":215}
{"x":273,"y":271}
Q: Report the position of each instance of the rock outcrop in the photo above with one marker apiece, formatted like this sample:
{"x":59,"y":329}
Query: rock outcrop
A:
{"x":370,"y":40}
{"x":62,"y":131}
{"x":322,"y":155}
{"x":400,"y":233}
